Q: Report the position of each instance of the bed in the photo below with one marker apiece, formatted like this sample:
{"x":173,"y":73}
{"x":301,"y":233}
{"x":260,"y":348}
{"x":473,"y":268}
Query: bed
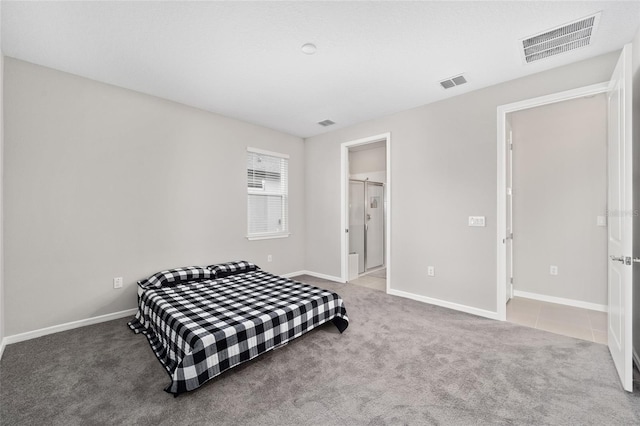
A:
{"x":202,"y":321}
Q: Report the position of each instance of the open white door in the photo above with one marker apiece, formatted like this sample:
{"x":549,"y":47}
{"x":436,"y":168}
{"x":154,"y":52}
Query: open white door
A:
{"x":620,"y":208}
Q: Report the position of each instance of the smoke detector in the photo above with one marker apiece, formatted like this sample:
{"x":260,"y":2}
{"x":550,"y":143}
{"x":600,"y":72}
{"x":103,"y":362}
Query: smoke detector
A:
{"x":453,"y":81}
{"x":326,"y":123}
{"x":565,"y":38}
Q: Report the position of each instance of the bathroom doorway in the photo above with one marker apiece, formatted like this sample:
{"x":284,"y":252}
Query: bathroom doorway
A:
{"x":366,"y":207}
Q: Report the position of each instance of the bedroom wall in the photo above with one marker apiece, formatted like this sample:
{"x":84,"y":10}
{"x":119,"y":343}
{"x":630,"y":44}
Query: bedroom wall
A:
{"x":560,"y":188}
{"x":443,"y":169}
{"x":369,"y":163}
{"x":102,"y":182}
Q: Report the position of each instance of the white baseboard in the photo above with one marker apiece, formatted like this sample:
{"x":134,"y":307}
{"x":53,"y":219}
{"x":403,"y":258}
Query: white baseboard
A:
{"x":315,"y":274}
{"x":66,"y":326}
{"x":293,"y":274}
{"x":445,"y":304}
{"x":636,"y":358}
{"x":3,"y":343}
{"x":561,"y":301}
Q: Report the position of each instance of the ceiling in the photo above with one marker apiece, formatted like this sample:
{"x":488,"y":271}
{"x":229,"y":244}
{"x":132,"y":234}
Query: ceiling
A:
{"x":244,"y":59}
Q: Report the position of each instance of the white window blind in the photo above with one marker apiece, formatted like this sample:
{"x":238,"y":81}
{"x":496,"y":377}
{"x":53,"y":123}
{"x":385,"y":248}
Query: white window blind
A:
{"x":267,"y":194}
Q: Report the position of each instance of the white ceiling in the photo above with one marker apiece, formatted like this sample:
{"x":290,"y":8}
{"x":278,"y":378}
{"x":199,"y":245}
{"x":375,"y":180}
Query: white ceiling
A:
{"x":243,"y":59}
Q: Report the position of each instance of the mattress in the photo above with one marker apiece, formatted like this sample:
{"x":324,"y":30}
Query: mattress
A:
{"x":201,"y":328}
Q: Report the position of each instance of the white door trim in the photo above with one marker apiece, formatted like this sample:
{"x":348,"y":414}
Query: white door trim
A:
{"x":344,"y":203}
{"x":503,"y":110}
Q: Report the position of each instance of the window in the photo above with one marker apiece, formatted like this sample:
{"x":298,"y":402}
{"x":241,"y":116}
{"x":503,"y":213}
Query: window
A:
{"x":267,"y":194}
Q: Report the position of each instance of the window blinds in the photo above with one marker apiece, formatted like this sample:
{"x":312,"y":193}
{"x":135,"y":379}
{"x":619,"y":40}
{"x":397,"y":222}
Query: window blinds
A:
{"x":267,"y":194}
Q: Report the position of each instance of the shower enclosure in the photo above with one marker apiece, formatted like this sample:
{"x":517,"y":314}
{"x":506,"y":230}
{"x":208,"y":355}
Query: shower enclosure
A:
{"x":366,"y":223}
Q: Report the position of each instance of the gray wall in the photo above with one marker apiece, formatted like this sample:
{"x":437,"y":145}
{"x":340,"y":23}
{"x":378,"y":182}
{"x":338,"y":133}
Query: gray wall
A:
{"x":103,"y":182}
{"x":369,"y":163}
{"x":443,"y":169}
{"x":636,"y":192}
{"x":560,"y":187}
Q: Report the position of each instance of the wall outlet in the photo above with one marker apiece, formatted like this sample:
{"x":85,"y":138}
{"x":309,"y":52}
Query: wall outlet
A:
{"x":431,"y":271}
{"x":117,"y":282}
{"x":269,"y":258}
{"x":476,"y":221}
{"x":553,"y":270}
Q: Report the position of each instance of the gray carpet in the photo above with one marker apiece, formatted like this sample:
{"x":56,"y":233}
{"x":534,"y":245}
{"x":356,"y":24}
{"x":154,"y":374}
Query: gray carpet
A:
{"x":399,"y":362}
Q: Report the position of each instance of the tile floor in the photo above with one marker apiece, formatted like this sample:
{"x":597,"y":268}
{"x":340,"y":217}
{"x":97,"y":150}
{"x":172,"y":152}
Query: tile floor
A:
{"x":375,"y":280}
{"x":580,"y":323}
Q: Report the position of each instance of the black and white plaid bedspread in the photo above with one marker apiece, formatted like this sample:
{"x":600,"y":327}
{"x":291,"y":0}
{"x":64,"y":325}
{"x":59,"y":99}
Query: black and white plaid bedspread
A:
{"x":202,"y":328}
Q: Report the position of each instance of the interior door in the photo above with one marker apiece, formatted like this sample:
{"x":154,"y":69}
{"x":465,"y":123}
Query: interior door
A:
{"x":620,"y":208}
{"x":375,"y":225}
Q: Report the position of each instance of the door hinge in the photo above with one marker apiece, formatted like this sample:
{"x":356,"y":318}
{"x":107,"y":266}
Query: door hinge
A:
{"x":346,"y":231}
{"x":511,"y":280}
{"x":511,"y":146}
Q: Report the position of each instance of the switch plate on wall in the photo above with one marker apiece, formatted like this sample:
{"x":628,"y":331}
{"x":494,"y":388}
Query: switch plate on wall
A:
{"x":117,"y":282}
{"x":476,"y":221}
{"x":601,"y":221}
{"x":269,"y":258}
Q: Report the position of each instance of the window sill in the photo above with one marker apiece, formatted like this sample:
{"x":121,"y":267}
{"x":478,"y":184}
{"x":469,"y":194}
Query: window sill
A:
{"x":267,"y":237}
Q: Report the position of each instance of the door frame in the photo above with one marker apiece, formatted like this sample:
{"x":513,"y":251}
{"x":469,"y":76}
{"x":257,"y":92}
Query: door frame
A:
{"x":344,"y":202}
{"x":501,"y":229}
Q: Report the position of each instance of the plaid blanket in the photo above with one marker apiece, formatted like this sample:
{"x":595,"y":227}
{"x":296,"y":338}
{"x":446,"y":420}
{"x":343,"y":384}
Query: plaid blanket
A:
{"x":201,"y":328}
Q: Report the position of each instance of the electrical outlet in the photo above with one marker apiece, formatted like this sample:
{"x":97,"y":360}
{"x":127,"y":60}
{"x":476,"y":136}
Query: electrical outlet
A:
{"x":269,"y":258}
{"x":553,"y":270}
{"x":431,"y":271}
{"x":117,"y":282}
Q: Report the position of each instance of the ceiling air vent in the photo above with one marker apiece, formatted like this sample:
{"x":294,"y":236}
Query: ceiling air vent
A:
{"x":568,"y":37}
{"x":326,"y":123}
{"x":453,"y":82}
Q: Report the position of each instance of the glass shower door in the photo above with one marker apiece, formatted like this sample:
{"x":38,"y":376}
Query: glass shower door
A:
{"x":374,"y":228}
{"x":357,"y":222}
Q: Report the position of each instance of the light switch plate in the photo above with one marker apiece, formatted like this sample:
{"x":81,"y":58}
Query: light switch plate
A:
{"x":601,"y":221}
{"x":117,"y":282}
{"x":476,"y":221}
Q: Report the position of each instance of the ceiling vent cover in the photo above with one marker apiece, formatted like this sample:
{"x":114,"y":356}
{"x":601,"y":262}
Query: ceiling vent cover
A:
{"x":563,"y":39}
{"x":453,"y":82}
{"x":326,"y":123}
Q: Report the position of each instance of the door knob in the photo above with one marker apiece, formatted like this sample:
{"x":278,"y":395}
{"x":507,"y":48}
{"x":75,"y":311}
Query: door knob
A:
{"x":617,"y":258}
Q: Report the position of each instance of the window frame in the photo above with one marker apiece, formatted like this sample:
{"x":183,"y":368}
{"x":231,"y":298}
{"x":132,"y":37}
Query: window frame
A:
{"x":262,"y":191}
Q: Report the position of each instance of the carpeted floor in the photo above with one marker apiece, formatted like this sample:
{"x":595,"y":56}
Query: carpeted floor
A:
{"x":399,"y":362}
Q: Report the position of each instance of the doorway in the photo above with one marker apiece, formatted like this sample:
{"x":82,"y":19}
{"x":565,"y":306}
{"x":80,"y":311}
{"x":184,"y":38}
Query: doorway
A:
{"x":366,"y":206}
{"x":558,"y":214}
{"x":620,"y":257}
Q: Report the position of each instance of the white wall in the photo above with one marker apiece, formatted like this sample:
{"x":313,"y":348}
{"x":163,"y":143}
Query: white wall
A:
{"x":560,"y":187}
{"x":636,"y":201}
{"x":443,"y":164}
{"x":103,"y":182}
{"x":369,"y":163}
